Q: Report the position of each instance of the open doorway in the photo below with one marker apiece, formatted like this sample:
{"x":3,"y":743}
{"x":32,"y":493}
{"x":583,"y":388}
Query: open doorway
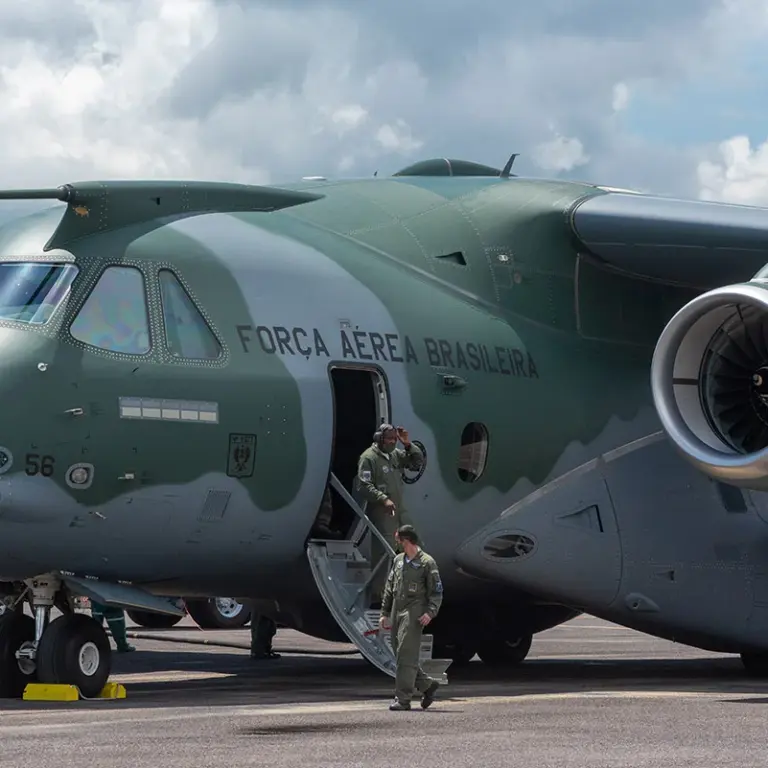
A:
{"x":360,"y":404}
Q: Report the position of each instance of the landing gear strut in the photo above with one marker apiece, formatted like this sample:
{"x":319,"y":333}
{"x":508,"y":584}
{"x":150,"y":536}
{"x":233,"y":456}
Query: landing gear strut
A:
{"x":72,"y":649}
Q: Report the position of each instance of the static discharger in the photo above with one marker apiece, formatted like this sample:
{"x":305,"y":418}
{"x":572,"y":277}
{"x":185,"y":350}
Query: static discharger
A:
{"x":61,"y":692}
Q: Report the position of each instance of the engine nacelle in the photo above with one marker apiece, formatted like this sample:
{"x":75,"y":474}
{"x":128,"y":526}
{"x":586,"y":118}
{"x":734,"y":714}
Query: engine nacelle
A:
{"x":710,"y":383}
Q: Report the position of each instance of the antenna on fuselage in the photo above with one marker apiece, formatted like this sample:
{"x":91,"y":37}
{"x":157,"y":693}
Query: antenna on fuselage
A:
{"x":508,"y":167}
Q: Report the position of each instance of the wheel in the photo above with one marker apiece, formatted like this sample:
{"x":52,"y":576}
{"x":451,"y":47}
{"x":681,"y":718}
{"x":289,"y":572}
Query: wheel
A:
{"x":152,"y":620}
{"x":16,"y":631}
{"x":219,"y":613}
{"x":74,"y":650}
{"x":459,"y":652}
{"x":500,"y":652}
{"x":755,"y":664}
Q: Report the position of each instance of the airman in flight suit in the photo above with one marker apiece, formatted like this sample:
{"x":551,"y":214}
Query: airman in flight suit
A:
{"x":412,"y":598}
{"x":380,"y":483}
{"x":115,"y":621}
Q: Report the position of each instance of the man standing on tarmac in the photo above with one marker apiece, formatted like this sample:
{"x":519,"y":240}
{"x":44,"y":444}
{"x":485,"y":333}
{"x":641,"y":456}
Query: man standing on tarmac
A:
{"x":380,"y":483}
{"x":263,"y":629}
{"x":412,"y":598}
{"x":115,"y":621}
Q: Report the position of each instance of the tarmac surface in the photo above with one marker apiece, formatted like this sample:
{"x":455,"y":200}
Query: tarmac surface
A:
{"x":589,"y":694}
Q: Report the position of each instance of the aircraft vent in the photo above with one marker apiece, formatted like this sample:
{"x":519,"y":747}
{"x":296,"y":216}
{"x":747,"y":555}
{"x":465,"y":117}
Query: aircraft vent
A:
{"x":457,"y":257}
{"x":710,"y":383}
{"x":215,"y":505}
{"x":509,"y":545}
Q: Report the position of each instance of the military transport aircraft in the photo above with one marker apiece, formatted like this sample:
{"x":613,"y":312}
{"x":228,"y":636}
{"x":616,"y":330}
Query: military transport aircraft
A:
{"x":185,"y":367}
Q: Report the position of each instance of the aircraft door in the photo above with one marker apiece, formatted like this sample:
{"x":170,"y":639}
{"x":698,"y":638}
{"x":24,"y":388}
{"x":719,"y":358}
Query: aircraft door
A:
{"x":360,"y":404}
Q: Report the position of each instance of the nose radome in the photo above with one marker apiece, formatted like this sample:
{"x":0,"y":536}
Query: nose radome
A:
{"x":560,"y":543}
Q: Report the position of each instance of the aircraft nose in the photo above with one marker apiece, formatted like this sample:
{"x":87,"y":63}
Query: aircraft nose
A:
{"x":559,"y":543}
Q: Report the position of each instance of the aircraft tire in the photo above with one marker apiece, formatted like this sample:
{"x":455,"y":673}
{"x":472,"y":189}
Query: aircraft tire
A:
{"x":16,"y":629}
{"x":153,"y":620}
{"x":460,"y":653}
{"x":755,"y":664}
{"x":498,"y":651}
{"x":219,"y":613}
{"x":74,"y":650}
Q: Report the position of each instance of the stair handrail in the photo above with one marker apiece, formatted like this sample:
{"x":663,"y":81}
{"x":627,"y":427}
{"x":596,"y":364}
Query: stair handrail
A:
{"x":345,"y":494}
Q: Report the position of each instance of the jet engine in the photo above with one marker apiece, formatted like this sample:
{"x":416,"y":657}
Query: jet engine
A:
{"x":709,"y":378}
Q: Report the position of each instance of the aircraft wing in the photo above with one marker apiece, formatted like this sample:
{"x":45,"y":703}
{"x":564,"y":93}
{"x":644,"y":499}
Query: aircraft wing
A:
{"x":690,"y":242}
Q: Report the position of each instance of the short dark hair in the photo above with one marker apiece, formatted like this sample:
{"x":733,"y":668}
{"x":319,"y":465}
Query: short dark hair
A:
{"x":408,"y":532}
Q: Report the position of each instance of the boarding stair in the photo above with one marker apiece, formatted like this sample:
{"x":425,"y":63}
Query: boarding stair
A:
{"x":344,"y":574}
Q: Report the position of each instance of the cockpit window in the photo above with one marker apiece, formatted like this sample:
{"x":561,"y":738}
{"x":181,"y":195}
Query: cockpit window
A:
{"x":115,"y":316}
{"x":31,"y":291}
{"x":186,"y":332}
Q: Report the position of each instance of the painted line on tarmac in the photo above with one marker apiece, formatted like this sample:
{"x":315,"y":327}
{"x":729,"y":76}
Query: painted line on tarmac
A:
{"x":597,"y":627}
{"x":168,"y":677}
{"x":610,"y":657}
{"x":239,"y":646}
{"x":266,"y":710}
{"x":543,"y":639}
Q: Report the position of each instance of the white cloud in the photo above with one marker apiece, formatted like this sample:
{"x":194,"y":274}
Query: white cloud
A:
{"x":273,"y":90}
{"x":92,"y":116}
{"x":560,"y":154}
{"x":397,"y":138}
{"x":349,"y":117}
{"x":740,"y":175}
{"x":620,"y":99}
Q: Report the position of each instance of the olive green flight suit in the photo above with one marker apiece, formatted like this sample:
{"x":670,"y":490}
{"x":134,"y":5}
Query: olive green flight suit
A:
{"x":115,"y":621}
{"x":378,"y":479}
{"x":412,"y":589}
{"x":263,"y":629}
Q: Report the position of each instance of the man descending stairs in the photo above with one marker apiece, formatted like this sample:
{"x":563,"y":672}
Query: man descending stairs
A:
{"x":344,"y":577}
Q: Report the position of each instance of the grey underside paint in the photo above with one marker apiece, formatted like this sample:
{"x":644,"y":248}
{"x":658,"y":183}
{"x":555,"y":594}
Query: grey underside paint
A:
{"x":665,"y":553}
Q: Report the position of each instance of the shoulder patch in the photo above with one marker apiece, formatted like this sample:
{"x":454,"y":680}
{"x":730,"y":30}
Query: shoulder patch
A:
{"x":365,"y":475}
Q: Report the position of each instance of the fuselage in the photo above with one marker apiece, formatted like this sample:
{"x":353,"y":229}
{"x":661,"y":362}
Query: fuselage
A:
{"x":204,"y":476}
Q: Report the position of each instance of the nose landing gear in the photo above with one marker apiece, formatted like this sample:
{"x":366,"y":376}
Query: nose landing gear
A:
{"x":73,"y":649}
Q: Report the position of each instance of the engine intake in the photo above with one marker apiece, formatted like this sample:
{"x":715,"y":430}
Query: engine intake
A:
{"x":709,"y":378}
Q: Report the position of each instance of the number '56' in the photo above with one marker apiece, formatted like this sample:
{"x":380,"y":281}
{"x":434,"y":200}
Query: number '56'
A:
{"x":39,"y":465}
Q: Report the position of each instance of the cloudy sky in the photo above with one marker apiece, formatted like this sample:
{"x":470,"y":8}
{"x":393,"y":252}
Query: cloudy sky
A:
{"x":667,"y":96}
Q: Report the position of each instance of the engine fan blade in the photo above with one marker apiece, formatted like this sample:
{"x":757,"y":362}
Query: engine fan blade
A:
{"x":748,"y":343}
{"x":760,"y":336}
{"x":733,"y":414}
{"x":754,"y":438}
{"x":725,"y":398}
